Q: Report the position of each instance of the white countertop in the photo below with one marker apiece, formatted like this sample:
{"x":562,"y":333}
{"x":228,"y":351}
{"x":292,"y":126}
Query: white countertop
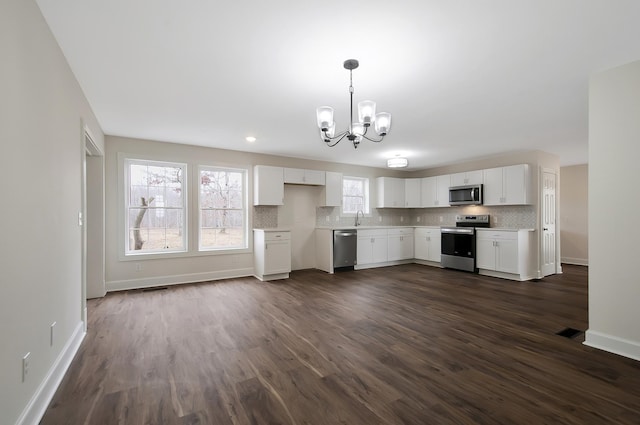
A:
{"x":273,"y":229}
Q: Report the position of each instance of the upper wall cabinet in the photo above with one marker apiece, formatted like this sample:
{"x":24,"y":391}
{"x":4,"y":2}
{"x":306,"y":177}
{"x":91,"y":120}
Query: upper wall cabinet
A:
{"x":300,"y":176}
{"x":435,"y":191}
{"x":412,"y":195}
{"x":331,"y":195}
{"x":466,"y":178}
{"x":268,"y":185}
{"x":390,"y":192}
{"x":507,"y":185}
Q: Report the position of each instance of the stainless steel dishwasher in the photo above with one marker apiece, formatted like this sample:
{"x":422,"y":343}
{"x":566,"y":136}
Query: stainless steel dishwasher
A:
{"x":345,"y":243}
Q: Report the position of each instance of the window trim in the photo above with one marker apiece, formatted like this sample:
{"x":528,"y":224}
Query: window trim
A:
{"x":245,"y":207}
{"x":367,"y":197}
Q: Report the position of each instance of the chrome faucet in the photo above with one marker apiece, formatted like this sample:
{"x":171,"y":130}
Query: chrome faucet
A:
{"x":357,"y":214}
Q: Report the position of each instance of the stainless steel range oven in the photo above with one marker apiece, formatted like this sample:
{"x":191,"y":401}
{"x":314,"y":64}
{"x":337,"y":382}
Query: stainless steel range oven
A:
{"x":459,"y":243}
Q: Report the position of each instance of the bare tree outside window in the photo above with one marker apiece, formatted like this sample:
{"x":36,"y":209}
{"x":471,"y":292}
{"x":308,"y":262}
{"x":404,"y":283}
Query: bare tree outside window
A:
{"x":158,"y":187}
{"x":222,"y":208}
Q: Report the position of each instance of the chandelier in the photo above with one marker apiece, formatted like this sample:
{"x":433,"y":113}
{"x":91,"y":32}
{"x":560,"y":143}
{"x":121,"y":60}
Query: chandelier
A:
{"x":357,"y":130}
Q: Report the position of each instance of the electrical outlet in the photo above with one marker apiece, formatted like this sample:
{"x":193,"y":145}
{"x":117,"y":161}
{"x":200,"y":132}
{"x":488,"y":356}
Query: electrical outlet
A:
{"x":328,"y":219}
{"x":441,"y":219}
{"x":52,"y":333}
{"x":337,"y":218}
{"x":418,"y":219}
{"x":380,"y":219}
{"x":401,"y":219}
{"x":25,"y":366}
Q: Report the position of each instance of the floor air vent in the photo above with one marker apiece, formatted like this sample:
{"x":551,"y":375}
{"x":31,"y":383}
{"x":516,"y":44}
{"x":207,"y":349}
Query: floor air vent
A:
{"x":569,"y":332}
{"x":155,"y":288}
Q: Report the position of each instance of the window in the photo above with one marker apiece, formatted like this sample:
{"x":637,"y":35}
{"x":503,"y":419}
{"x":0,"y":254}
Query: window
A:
{"x":223,"y":209}
{"x":355,"y":195}
{"x":155,"y":207}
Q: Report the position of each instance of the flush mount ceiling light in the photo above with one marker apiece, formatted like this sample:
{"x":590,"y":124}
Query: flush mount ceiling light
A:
{"x":357,"y":130}
{"x":250,"y":139}
{"x":397,"y":162}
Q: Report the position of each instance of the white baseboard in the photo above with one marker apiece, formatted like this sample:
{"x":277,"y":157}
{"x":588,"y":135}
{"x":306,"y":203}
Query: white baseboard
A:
{"x":576,"y":261}
{"x":613,"y":344}
{"x":148,"y":282}
{"x":32,"y":414}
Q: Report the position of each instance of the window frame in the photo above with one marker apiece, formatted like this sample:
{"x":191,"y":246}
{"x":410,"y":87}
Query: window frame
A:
{"x":245,"y":210}
{"x":126,"y":161}
{"x":366,"y":196}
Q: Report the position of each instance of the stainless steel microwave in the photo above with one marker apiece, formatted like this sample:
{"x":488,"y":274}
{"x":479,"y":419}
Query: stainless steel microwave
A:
{"x":465,"y":195}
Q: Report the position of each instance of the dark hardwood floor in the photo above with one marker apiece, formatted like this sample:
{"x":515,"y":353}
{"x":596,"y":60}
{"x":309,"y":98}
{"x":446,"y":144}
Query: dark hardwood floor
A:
{"x":397,"y":345}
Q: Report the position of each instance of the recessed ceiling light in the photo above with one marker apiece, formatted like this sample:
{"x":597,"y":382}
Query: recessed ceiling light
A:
{"x":250,"y":139}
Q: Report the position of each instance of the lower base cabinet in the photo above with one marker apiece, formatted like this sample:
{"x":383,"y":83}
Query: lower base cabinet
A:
{"x":372,"y":246}
{"x":504,"y":253}
{"x":427,"y":246}
{"x":272,"y":254}
{"x":400,"y":244}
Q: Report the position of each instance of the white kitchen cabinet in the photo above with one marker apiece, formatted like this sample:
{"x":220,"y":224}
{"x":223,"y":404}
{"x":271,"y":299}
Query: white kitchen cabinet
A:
{"x":268,"y":185}
{"x":435,"y":191}
{"x":390,"y":192}
{"x":300,"y":176}
{"x":400,"y":243}
{"x":272,"y":254}
{"x":466,"y":178}
{"x":372,"y":246}
{"x":504,"y":253}
{"x":331,"y":195}
{"x":427,"y":244}
{"x":509,"y":185}
{"x":412,"y":189}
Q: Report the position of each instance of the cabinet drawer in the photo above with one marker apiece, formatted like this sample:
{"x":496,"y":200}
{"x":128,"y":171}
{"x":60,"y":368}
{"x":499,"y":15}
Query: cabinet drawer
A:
{"x":497,"y":235}
{"x":277,"y":236}
{"x":400,"y":232}
{"x":371,"y":233}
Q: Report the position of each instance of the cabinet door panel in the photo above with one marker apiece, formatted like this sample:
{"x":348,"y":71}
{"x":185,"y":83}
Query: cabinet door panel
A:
{"x":412,"y":193}
{"x":515,"y":181}
{"x":428,"y":192}
{"x":277,"y":257}
{"x":507,"y":257}
{"x":421,"y":245}
{"x":379,"y":248}
{"x":435,"y":247}
{"x":443,"y":185}
{"x":485,"y":254}
{"x":364,"y":250}
{"x":492,"y":187}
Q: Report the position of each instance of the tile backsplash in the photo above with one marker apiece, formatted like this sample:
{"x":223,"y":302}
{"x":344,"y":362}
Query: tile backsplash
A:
{"x":265,"y":217}
{"x":513,"y":216}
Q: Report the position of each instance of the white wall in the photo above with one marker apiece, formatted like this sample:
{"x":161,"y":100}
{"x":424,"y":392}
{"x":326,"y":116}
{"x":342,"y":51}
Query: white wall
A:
{"x":614,"y":149}
{"x":41,"y":112}
{"x":574,"y":214}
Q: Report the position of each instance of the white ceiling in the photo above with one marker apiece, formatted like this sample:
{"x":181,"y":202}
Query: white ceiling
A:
{"x":463,"y":79}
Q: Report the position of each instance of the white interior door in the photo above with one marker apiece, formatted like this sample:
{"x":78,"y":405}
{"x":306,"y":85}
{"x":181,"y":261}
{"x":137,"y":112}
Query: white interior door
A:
{"x":548,"y":223}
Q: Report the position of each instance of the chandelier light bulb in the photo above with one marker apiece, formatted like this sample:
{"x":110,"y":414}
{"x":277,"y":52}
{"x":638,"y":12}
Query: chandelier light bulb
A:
{"x":367,"y":112}
{"x":325,"y":117}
